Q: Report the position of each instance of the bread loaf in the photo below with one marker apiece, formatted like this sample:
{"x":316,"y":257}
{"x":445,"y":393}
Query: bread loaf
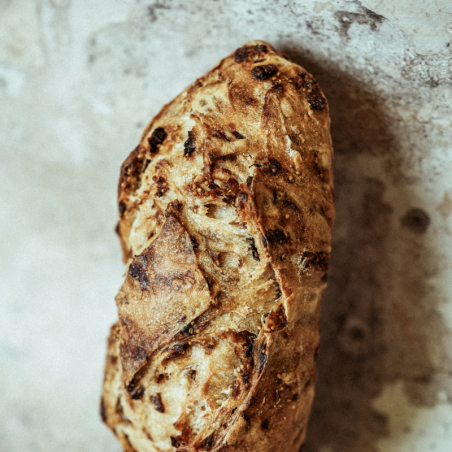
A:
{"x":226,"y":210}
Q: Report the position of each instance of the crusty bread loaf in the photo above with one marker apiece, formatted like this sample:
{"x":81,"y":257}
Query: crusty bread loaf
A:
{"x":226,"y":209}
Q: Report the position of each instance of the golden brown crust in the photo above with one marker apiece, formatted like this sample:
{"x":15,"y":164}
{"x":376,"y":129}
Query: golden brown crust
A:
{"x":226,"y":209}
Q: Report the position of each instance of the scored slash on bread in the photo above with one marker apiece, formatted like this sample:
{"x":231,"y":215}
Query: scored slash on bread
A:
{"x":226,"y":209}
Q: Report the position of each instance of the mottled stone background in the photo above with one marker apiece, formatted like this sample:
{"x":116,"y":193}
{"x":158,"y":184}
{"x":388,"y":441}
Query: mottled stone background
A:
{"x":79,"y":79}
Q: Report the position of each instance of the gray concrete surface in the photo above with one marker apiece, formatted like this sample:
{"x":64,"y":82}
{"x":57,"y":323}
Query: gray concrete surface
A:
{"x":78,"y":82}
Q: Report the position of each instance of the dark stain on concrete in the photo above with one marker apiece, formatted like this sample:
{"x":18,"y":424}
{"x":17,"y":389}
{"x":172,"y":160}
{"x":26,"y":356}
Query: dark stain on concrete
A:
{"x":366,"y":17}
{"x":416,"y":220}
{"x":152,"y":10}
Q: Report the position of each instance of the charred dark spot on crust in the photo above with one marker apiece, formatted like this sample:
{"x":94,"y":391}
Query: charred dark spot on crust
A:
{"x":275,"y":196}
{"x":234,"y":410}
{"x":249,"y":348}
{"x":274,"y":167}
{"x":190,"y":144}
{"x":239,"y":136}
{"x":231,"y":187}
{"x":220,"y":134}
{"x":276,"y":321}
{"x":174,"y":351}
{"x":157,"y":401}
{"x":174,"y":442}
{"x":256,"y":165}
{"x":262,"y":357}
{"x":291,"y":205}
{"x":137,"y":393}
{"x":173,"y":208}
{"x":278,"y":89}
{"x":307,"y":83}
{"x":137,"y":270}
{"x":276,"y":236}
{"x":264,"y":242}
{"x":264,"y":424}
{"x":207,"y":443}
{"x":210,"y":281}
{"x":192,"y":374}
{"x":249,"y":181}
{"x":134,"y":388}
{"x":187,"y":331}
{"x":103,"y":411}
{"x":121,"y":208}
{"x":214,"y":158}
{"x":254,"y":251}
{"x":295,"y":397}
{"x":263,"y":72}
{"x":132,"y":169}
{"x":162,"y":185}
{"x":245,"y":52}
{"x":161,"y":378}
{"x":157,"y":138}
{"x":316,"y":261}
{"x":416,"y":220}
{"x":194,"y":243}
{"x":245,"y":351}
{"x":242,"y":199}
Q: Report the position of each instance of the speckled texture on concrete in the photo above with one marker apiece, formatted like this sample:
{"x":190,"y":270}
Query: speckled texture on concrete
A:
{"x":78,"y":82}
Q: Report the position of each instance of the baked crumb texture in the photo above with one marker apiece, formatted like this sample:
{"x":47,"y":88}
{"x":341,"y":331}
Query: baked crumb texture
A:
{"x":226,"y":210}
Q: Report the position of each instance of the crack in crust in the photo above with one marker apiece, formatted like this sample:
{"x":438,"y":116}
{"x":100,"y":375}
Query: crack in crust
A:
{"x":226,"y":209}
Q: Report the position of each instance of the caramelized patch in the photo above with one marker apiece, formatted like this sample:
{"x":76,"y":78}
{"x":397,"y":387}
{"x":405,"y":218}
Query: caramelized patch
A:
{"x":261,"y":357}
{"x":137,"y":393}
{"x":264,"y":72}
{"x":190,"y":144}
{"x":137,"y":270}
{"x":249,"y":52}
{"x":158,"y":404}
{"x":174,"y":352}
{"x":132,"y":169}
{"x":103,"y":411}
{"x":207,"y":443}
{"x":276,"y":320}
{"x":276,"y":236}
{"x":315,"y":261}
{"x":254,"y":251}
{"x":274,"y":167}
{"x":311,"y":90}
{"x":157,"y":138}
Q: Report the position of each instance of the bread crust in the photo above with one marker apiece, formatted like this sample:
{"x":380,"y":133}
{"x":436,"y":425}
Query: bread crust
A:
{"x":226,"y":209}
